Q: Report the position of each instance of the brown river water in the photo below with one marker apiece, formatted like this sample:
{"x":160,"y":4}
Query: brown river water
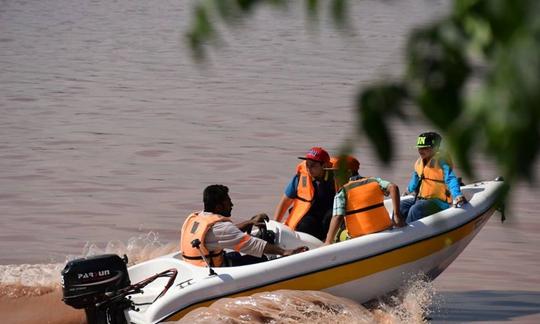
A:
{"x":109,"y":133}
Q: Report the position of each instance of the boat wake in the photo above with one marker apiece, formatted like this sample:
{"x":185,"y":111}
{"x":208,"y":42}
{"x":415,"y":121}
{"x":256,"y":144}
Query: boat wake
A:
{"x":37,"y":279}
{"x":409,"y":305}
{"x":32,"y":294}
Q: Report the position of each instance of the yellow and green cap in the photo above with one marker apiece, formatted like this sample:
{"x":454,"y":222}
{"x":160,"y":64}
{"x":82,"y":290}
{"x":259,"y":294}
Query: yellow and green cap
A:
{"x":428,"y":139}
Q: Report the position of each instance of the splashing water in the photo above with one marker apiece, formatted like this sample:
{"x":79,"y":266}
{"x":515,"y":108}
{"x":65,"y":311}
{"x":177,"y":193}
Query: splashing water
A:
{"x":32,"y":294}
{"x":138,"y":249}
{"x":38,"y":279}
{"x":410,"y":305}
{"x":282,"y":306}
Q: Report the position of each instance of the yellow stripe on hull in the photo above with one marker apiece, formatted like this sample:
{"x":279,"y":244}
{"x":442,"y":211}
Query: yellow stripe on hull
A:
{"x":341,"y":274}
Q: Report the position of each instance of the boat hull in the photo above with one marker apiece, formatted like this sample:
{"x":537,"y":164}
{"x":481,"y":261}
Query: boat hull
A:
{"x":361,"y":269}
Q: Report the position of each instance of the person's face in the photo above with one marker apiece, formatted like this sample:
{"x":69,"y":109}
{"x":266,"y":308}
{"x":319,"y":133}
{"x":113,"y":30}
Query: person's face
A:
{"x":315,"y":169}
{"x":426,"y":152}
{"x":226,"y":207}
{"x":342,"y":178}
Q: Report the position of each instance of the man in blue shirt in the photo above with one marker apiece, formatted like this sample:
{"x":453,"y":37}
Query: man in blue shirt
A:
{"x":310,"y":193}
{"x":433,"y":181}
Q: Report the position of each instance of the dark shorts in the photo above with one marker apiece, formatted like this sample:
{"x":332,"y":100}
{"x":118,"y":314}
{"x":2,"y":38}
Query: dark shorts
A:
{"x":233,"y":259}
{"x":315,"y":225}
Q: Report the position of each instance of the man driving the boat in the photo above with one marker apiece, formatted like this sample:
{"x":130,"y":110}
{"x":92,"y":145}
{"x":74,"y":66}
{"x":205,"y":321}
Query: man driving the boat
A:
{"x":433,"y":181}
{"x":215,"y":232}
{"x":360,"y":202}
{"x":310,"y":193}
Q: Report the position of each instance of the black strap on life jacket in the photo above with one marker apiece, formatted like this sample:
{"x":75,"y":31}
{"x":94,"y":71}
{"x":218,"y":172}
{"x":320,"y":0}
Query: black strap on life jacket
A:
{"x":417,"y":191}
{"x":365,"y":209}
{"x":302,"y":199}
{"x":440,"y":181}
{"x":211,"y":255}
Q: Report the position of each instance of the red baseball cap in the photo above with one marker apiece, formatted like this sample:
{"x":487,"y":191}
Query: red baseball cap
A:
{"x":317,"y":154}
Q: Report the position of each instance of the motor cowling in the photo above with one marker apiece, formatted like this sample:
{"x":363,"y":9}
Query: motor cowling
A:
{"x":86,"y":282}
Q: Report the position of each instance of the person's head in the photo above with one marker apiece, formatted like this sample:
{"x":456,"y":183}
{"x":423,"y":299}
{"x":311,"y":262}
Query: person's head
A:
{"x":351,"y":163}
{"x":428,"y":144}
{"x":345,"y":167}
{"x":316,"y":160}
{"x":216,"y":200}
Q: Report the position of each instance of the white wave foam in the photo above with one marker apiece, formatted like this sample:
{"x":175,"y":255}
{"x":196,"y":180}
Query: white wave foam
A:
{"x":410,"y":305}
{"x":138,"y":249}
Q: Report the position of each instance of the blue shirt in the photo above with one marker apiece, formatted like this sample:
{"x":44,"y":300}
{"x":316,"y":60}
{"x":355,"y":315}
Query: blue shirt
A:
{"x":290,"y":190}
{"x":450,"y":180}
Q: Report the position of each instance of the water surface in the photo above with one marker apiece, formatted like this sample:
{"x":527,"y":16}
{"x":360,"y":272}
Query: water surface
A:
{"x":110,"y":132}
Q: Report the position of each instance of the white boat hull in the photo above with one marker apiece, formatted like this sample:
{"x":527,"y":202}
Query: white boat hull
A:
{"x":361,"y":269}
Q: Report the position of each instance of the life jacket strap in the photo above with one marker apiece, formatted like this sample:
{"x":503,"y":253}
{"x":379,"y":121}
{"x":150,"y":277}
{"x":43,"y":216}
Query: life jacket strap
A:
{"x":211,"y":255}
{"x":303,"y":199}
{"x":361,"y":210}
{"x":446,"y":192}
{"x":439,"y":181}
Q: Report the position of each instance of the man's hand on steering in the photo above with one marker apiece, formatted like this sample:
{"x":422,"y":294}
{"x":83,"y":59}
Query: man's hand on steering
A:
{"x":295,"y":251}
{"x":259,"y":218}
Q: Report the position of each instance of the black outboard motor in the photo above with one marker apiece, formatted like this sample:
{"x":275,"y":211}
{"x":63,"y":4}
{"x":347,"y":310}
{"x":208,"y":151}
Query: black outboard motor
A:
{"x":96,"y":284}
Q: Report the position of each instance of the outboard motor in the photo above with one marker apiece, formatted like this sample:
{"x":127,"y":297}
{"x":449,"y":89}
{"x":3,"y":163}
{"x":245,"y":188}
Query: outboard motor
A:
{"x":97,"y":284}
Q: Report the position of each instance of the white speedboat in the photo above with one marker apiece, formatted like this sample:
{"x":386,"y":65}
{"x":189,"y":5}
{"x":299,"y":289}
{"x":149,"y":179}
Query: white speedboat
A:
{"x":361,"y":269}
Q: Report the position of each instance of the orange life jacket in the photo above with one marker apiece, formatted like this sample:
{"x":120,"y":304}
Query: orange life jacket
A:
{"x":432,"y":183}
{"x":305,"y":192}
{"x":365,"y":212}
{"x":195,"y":227}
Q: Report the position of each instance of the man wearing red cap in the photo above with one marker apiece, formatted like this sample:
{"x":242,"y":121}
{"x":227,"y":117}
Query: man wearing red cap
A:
{"x":311,"y":193}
